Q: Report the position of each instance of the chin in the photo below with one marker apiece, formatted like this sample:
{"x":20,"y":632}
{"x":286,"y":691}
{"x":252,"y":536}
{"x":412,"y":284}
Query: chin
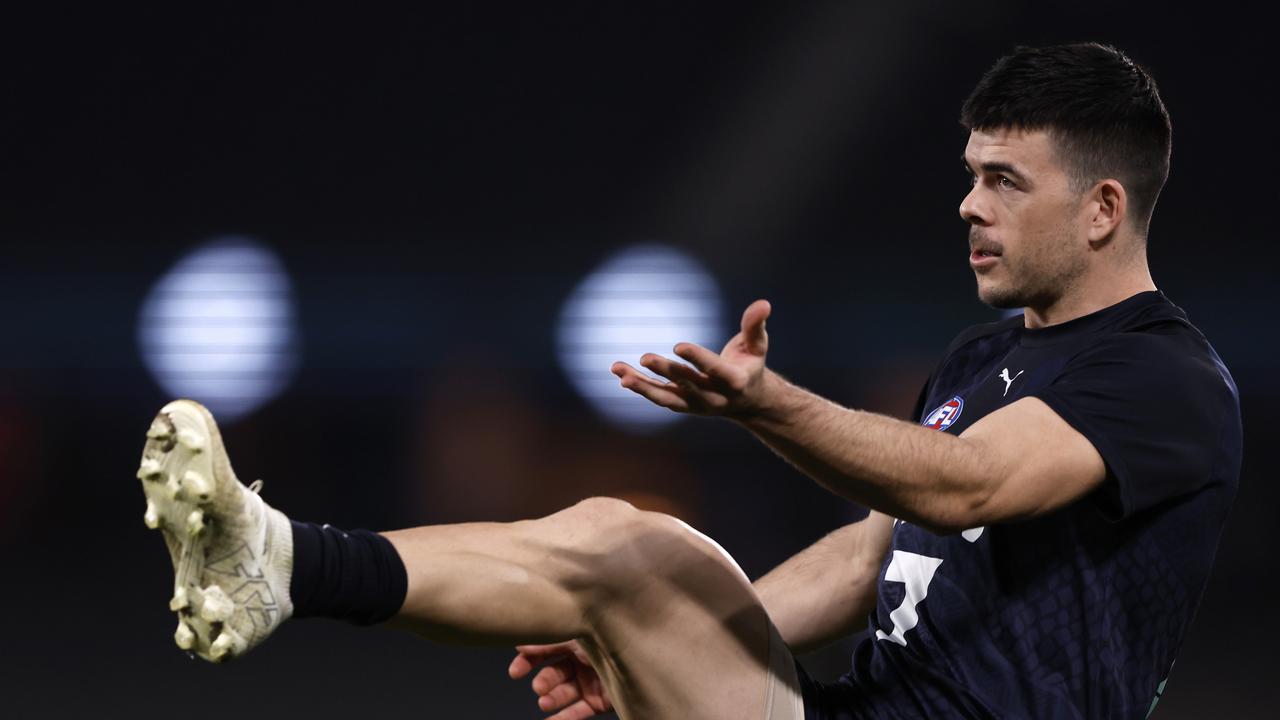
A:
{"x":1001,"y":298}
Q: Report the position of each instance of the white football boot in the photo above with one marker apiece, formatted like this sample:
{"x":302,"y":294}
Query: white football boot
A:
{"x":232,"y":553}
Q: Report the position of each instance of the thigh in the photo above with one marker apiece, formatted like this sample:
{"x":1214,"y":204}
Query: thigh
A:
{"x":682,"y":634}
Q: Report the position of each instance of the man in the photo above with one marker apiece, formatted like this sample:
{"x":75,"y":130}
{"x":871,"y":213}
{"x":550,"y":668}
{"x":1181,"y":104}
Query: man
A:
{"x":1038,"y":540}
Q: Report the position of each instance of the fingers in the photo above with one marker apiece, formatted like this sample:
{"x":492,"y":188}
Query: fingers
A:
{"x":667,"y":395}
{"x":557,"y":691}
{"x":530,"y":656}
{"x":578,"y":711}
{"x":520,"y":667}
{"x":724,"y":374}
{"x":703,"y":359}
{"x":712,"y":380}
{"x":557,"y":683}
{"x":566,"y":685}
{"x":561,"y":648}
{"x":524,"y":663}
{"x":676,"y":372}
{"x":753,"y":332}
{"x":559,"y":697}
{"x":552,"y":676}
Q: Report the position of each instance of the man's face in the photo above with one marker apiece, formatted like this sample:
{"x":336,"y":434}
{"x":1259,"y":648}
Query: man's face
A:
{"x":1027,"y":240}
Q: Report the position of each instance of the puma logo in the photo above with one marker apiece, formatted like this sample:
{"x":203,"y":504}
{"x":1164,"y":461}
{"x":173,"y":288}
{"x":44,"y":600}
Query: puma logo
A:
{"x":1004,"y":375}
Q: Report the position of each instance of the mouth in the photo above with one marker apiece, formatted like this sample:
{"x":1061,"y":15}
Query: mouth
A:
{"x":983,"y":258}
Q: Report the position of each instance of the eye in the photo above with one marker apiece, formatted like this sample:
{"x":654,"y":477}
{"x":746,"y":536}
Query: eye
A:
{"x":1006,"y":183}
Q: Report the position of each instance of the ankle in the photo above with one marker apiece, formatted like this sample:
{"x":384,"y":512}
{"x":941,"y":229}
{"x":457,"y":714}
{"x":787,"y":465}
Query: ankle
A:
{"x":354,"y":576}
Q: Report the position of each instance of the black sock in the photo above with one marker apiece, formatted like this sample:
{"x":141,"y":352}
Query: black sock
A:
{"x":355,"y":576}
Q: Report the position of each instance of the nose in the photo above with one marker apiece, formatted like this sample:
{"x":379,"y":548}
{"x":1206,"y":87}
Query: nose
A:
{"x":972,"y":209}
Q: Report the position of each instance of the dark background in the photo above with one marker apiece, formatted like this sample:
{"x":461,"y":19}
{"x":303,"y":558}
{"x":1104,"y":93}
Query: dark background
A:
{"x":436,"y":183}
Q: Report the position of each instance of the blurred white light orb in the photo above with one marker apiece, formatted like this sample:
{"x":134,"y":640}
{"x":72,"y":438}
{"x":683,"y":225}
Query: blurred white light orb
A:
{"x":219,"y":327}
{"x":644,"y":299}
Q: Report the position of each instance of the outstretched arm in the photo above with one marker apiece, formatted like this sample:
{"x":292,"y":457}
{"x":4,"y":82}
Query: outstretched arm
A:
{"x":825,"y":592}
{"x":1017,"y":462}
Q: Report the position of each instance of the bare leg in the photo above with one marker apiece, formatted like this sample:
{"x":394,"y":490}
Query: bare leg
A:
{"x":672,"y":624}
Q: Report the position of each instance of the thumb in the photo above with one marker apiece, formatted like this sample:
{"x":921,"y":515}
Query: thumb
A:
{"x":753,"y":332}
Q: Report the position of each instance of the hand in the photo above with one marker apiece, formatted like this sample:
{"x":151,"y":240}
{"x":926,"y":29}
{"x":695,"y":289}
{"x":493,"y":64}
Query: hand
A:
{"x":729,"y":384}
{"x":567,"y":683}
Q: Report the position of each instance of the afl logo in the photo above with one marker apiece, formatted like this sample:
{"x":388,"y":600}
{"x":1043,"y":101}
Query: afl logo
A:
{"x":946,"y":414}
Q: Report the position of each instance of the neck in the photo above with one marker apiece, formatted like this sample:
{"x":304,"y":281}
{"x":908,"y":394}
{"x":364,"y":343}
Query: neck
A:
{"x":1100,"y":290}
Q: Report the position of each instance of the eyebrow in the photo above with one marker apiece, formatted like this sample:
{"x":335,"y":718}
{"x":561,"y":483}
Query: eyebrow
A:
{"x":995,"y":167}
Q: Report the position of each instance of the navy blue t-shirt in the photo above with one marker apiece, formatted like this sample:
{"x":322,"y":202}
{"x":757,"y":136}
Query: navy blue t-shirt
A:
{"x":1078,"y":613}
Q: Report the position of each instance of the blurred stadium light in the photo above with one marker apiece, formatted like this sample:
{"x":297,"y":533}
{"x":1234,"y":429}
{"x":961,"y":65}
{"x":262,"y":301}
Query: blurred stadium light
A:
{"x":219,"y":327}
{"x":644,"y":299}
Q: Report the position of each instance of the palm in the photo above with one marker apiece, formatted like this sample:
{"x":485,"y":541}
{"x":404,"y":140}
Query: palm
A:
{"x":740,"y":353}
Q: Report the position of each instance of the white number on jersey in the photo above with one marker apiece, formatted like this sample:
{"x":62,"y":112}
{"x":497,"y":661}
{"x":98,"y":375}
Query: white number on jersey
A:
{"x":916,"y":572}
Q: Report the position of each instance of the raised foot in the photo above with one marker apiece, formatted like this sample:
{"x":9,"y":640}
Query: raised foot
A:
{"x":232,"y":554}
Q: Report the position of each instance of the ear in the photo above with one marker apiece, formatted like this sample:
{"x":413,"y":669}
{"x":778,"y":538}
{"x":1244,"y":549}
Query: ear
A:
{"x":1107,"y":205}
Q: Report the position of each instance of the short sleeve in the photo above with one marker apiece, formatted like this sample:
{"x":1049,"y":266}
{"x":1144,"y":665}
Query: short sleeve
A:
{"x":1153,"y":408}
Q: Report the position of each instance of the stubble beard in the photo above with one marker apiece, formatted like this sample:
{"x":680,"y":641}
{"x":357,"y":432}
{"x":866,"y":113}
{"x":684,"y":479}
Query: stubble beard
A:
{"x":1036,"y":279}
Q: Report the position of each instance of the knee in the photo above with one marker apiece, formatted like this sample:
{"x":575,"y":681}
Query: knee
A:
{"x":606,"y":532}
{"x":605,"y":522}
{"x":617,"y":546}
{"x":603,"y":511}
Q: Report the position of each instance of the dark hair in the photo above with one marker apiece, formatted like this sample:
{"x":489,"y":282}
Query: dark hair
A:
{"x":1101,"y":109}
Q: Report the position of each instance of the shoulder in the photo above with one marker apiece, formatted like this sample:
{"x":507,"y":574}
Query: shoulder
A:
{"x":1157,"y":377}
{"x":1159,"y":346}
{"x":1156,"y":402}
